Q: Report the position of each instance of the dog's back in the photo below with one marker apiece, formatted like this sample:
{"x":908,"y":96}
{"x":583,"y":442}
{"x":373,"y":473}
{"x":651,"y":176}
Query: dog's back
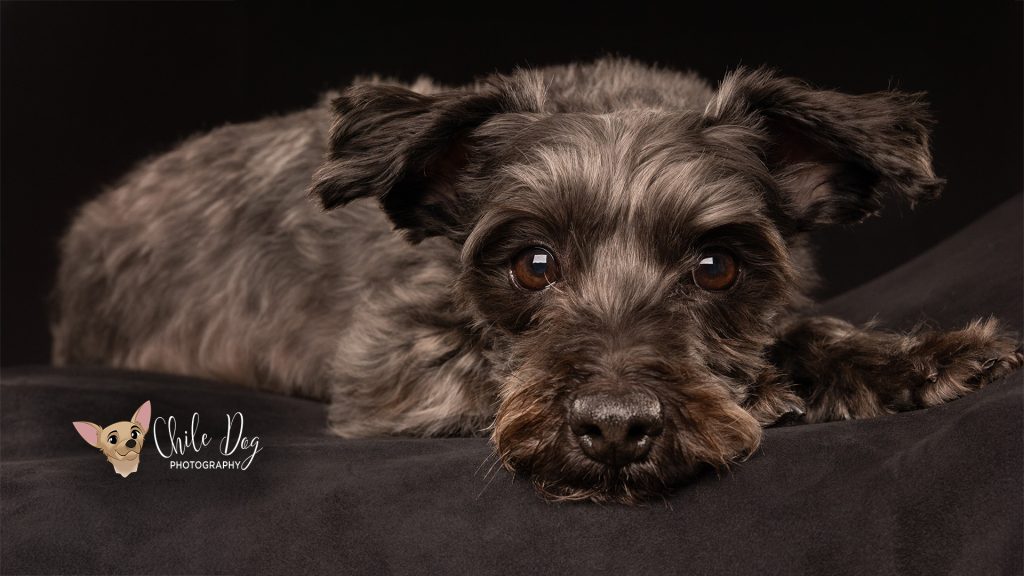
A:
{"x":203,"y":259}
{"x":210,"y":260}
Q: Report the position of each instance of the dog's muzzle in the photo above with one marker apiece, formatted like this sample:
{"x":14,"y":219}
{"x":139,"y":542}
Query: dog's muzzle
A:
{"x":616,"y":428}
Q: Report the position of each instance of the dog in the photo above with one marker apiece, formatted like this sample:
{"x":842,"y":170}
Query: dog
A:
{"x":121,"y":442}
{"x":604,"y":266}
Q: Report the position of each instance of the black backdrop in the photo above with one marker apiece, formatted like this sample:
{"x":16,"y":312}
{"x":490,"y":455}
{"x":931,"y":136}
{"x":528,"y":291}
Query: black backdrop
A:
{"x":90,"y":89}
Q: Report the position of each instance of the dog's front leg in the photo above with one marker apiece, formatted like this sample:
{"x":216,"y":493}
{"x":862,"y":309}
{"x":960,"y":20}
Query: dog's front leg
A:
{"x":843,"y":372}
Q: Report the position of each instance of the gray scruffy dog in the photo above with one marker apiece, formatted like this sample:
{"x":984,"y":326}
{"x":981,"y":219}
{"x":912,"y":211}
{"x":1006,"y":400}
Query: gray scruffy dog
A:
{"x":602,"y":265}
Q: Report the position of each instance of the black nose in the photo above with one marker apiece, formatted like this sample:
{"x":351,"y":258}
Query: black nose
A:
{"x":616,"y":428}
{"x":130,"y":443}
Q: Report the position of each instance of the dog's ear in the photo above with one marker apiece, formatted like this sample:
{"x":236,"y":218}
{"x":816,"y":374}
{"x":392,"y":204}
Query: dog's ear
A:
{"x":89,"y":432}
{"x":408,"y":149}
{"x":142,"y":416}
{"x":834,"y":156}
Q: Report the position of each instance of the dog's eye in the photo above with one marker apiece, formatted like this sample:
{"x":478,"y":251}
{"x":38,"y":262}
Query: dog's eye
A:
{"x":717,"y":270}
{"x":535,"y":269}
{"x":112,"y":439}
{"x":135,"y":434}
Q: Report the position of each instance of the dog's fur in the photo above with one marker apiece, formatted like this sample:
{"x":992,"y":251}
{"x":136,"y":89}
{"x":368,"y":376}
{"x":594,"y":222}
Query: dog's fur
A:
{"x":211,"y":261}
{"x":121,"y":442}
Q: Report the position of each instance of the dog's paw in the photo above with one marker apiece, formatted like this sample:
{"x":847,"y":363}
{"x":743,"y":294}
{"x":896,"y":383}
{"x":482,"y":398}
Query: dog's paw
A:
{"x":955,"y":363}
{"x":773,"y":401}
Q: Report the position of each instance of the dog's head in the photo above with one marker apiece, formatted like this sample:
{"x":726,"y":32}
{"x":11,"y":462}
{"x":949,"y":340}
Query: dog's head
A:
{"x":121,"y":441}
{"x":627,"y":266}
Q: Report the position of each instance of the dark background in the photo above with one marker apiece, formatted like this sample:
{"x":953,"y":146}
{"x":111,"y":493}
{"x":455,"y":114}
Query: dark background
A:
{"x":90,"y":89}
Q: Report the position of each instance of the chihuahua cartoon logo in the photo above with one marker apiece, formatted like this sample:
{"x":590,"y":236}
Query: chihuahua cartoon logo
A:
{"x":121,"y":442}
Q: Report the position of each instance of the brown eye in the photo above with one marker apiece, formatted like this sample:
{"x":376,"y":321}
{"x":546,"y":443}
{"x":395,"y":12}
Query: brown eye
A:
{"x":716,"y":270}
{"x":535,"y":269}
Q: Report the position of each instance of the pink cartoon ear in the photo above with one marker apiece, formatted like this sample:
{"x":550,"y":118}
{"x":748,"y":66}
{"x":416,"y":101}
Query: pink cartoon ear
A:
{"x":142,"y":415}
{"x":89,"y":432}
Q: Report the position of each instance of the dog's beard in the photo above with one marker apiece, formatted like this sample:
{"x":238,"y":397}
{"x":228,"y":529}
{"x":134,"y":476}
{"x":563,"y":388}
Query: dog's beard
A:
{"x":704,"y":429}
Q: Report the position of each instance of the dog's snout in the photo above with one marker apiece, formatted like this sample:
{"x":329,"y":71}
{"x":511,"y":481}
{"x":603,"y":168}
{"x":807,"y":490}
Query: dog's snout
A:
{"x":130,"y":443}
{"x":616,"y":428}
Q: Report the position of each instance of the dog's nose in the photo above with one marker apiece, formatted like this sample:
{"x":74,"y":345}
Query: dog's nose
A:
{"x":616,"y":428}
{"x":130,"y":443}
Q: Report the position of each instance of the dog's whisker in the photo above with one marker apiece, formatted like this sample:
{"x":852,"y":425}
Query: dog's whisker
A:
{"x":487,"y":457}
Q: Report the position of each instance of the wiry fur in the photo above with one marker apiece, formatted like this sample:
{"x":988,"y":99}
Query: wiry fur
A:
{"x":210,"y":261}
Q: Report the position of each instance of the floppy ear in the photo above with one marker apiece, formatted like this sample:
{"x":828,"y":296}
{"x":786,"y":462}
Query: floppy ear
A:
{"x":89,"y":432}
{"x":142,"y":416}
{"x":834,"y":156}
{"x":408,"y":150}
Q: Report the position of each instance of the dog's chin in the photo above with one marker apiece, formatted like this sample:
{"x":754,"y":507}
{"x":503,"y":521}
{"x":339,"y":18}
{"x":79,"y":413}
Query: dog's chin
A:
{"x":631,"y":484}
{"x":564,"y":473}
